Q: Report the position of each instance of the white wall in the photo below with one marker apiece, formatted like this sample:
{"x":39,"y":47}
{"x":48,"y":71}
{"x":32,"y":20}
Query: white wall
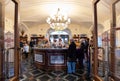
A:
{"x":106,"y":24}
{"x":43,"y":28}
{"x":9,"y":25}
{"x":118,"y":21}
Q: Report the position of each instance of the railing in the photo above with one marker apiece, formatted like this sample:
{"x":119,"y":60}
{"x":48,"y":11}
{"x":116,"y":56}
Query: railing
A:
{"x":115,"y":76}
{"x":9,"y":64}
{"x":101,"y":61}
{"x":98,"y":77}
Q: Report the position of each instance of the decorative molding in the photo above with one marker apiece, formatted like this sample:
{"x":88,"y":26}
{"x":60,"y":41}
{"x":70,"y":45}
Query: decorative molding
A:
{"x":115,"y":1}
{"x":7,"y":2}
{"x":95,"y":1}
{"x":16,"y":1}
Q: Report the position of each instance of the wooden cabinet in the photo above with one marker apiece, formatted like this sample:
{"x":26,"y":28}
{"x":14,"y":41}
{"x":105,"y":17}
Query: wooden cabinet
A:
{"x":65,"y":38}
{"x":24,"y":38}
{"x":50,"y":58}
{"x":37,"y":39}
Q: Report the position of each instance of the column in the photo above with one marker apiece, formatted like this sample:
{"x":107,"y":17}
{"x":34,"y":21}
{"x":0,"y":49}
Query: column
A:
{"x":2,"y":17}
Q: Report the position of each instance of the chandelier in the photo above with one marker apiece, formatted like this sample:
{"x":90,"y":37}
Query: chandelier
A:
{"x":58,"y":21}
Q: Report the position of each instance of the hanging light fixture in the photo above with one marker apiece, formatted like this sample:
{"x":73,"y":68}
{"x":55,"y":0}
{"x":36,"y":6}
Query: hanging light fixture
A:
{"x":58,"y":21}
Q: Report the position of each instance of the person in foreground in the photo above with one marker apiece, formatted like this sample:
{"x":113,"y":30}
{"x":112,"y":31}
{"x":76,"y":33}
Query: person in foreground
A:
{"x":71,"y":57}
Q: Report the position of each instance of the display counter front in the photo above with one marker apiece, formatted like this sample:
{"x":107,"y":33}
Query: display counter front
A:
{"x":50,"y":58}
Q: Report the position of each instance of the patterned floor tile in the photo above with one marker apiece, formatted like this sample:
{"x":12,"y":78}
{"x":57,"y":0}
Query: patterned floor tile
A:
{"x":44,"y":77}
{"x":57,"y":73}
{"x":35,"y":72}
{"x":71,"y":77}
{"x":31,"y":73}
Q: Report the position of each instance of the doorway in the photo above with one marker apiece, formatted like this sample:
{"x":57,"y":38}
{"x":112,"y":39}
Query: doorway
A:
{"x":9,"y":40}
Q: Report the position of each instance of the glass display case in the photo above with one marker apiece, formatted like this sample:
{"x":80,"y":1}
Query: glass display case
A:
{"x":50,"y":58}
{"x":65,"y":38}
{"x":56,"y":35}
{"x":57,"y":59}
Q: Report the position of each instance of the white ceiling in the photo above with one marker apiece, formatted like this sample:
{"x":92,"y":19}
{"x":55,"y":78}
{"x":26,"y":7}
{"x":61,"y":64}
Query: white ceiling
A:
{"x":39,"y":10}
{"x":80,"y":11}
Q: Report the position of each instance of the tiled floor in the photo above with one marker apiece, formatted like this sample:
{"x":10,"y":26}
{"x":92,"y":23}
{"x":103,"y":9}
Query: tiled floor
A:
{"x":31,"y":73}
{"x":35,"y":74}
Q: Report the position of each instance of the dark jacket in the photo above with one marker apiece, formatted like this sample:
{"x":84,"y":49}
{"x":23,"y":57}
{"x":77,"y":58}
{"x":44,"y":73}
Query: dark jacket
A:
{"x":71,"y":56}
{"x":32,"y":43}
{"x":80,"y":51}
{"x":21,"y":44}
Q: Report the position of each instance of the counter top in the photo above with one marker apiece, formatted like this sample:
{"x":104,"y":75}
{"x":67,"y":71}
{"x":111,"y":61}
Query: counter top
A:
{"x":50,"y":48}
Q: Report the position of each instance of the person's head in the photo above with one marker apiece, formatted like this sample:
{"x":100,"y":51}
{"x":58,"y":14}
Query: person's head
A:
{"x":55,"y":40}
{"x":87,"y":39}
{"x":71,"y":40}
{"x":60,"y":39}
{"x":82,"y":44}
{"x":24,"y":44}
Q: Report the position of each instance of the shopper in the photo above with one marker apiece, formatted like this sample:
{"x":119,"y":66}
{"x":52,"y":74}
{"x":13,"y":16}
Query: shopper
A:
{"x":81,"y":55}
{"x":71,"y":57}
{"x":26,"y":50}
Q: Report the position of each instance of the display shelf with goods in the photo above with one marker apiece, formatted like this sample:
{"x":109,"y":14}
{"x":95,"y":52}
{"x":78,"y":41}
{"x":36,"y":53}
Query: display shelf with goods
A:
{"x":23,"y":37}
{"x":37,"y":39}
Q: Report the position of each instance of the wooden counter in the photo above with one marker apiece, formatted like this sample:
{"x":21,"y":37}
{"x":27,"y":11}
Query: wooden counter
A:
{"x":50,"y":58}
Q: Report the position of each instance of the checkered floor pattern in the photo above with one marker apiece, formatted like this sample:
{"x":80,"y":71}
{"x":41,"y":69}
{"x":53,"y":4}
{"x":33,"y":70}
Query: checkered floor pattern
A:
{"x":31,"y":73}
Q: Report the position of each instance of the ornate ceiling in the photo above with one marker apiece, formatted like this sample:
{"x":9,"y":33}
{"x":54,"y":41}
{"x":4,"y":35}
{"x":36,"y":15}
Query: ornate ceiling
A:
{"x":39,"y":10}
{"x":80,"y":11}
